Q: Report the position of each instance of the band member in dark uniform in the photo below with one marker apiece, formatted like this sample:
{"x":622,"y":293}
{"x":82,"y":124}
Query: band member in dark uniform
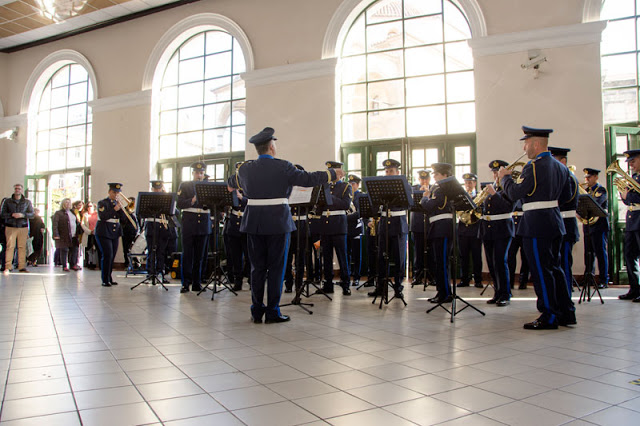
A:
{"x":542,"y":186}
{"x":235,"y":241}
{"x":333,"y":232}
{"x":398,"y":230}
{"x":158,"y":227}
{"x":568,"y":212}
{"x":108,"y":232}
{"x":496,"y":232}
{"x":440,"y":212}
{"x":516,"y":244}
{"x":632,"y":229}
{"x":418,"y":233}
{"x":129,"y":231}
{"x":196,"y":227}
{"x":468,"y":241}
{"x":355,"y":231}
{"x":598,"y":231}
{"x":301,"y":225}
{"x":267,"y":182}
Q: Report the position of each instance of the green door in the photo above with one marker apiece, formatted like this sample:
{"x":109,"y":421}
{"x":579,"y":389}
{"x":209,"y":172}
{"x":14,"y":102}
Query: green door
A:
{"x":37,"y":191}
{"x":618,"y":140}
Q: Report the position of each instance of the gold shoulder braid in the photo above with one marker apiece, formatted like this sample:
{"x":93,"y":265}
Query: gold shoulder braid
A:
{"x":576,"y":190}
{"x":445,"y":203}
{"x":237,"y":172}
{"x":535,"y":182}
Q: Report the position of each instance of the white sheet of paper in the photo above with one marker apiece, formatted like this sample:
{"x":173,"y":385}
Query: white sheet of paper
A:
{"x":300,"y":195}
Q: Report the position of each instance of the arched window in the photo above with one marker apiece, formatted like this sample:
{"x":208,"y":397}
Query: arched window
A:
{"x":407,"y":77}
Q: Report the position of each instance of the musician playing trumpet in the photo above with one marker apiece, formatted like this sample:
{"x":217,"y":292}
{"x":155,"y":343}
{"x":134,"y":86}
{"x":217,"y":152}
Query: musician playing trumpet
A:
{"x":108,"y":231}
{"x":631,"y":198}
{"x":468,"y":241}
{"x":599,"y":231}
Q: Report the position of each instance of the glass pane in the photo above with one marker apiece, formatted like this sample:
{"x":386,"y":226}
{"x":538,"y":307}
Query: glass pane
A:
{"x":168,"y":122}
{"x":57,"y":159}
{"x":190,"y":94}
{"x":386,"y":94}
{"x":622,"y":143}
{"x":217,"y":90}
{"x":620,"y":106}
{"x":386,"y":124}
{"x":217,"y":115}
{"x":77,"y":114}
{"x":60,"y":78}
{"x":456,"y":26}
{"x":354,"y":127}
{"x":218,"y":65}
{"x":384,"y":36}
{"x":89,"y":133}
{"x":353,"y":70}
{"x":58,"y":138}
{"x":45,"y":100}
{"x":75,"y":157}
{"x":167,"y":178}
{"x":417,"y":158}
{"x":60,"y":96}
{"x":461,"y":118}
{"x":186,"y":174}
{"x":461,"y":170}
{"x":42,"y":161}
{"x":217,"y":140}
{"x":459,"y":56}
{"x":619,"y":71}
{"x":189,"y":144}
{"x":43,"y":141}
{"x":77,"y":135}
{"x":239,"y":116}
{"x":78,"y":74}
{"x":354,"y":98}
{"x":192,"y":47}
{"x":432,"y":156}
{"x":218,"y":41}
{"x":238,"y":137}
{"x":427,"y":30}
{"x":169,"y":98}
{"x":239,"y":64}
{"x":619,"y":36}
{"x":171,"y":72}
{"x":78,"y":93}
{"x":58,"y":117}
{"x":190,"y":119}
{"x":43,"y":120}
{"x":460,"y":87}
{"x":239,"y":89}
{"x":385,"y":65}
{"x":385,"y":10}
{"x":354,"y":161}
{"x":424,"y":60}
{"x":462,"y":155}
{"x":613,"y":9}
{"x":191,"y":70}
{"x":425,"y":90}
{"x":426,"y":121}
{"x":88,"y":155}
{"x":167,"y":146}
{"x":421,"y":7}
{"x":354,"y":42}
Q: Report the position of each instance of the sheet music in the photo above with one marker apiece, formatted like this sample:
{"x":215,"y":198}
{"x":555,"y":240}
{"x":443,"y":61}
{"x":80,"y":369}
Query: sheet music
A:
{"x":300,"y":195}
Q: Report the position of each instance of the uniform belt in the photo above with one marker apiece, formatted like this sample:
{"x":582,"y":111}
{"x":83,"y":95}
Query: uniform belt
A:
{"x":111,"y":220}
{"x":393,"y":214}
{"x":568,"y":214}
{"x":299,"y":217}
{"x":195,"y":210}
{"x":440,"y":217}
{"x":334,"y":213}
{"x":633,"y":207}
{"x":539,"y":205}
{"x":267,"y":201}
{"x":492,"y":217}
{"x":517,"y":213}
{"x":151,"y":219}
{"x":237,"y":213}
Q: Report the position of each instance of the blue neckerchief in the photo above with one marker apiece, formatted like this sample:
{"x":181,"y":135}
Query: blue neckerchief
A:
{"x":265,"y":156}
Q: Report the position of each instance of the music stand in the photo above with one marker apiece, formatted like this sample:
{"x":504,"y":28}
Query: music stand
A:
{"x":589,"y":208}
{"x":385,"y":193}
{"x":303,"y":199}
{"x":366,"y":212}
{"x":321,"y":201}
{"x":461,"y":201}
{"x":425,"y":274}
{"x":214,"y":196}
{"x":154,"y":205}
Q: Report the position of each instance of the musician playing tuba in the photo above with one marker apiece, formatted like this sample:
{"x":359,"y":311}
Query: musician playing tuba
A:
{"x":470,"y":244}
{"x":597,"y":233}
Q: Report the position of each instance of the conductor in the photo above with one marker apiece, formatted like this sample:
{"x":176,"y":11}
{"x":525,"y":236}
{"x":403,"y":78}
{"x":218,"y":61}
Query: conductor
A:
{"x":267,"y":183}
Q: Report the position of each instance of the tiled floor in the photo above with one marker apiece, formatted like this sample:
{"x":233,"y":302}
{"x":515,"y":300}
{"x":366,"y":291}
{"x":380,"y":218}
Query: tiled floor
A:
{"x":73,"y":352}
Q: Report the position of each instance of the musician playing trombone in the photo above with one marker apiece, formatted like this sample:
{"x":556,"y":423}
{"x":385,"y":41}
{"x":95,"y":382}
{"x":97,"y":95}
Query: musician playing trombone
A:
{"x":631,"y":198}
{"x":108,"y":231}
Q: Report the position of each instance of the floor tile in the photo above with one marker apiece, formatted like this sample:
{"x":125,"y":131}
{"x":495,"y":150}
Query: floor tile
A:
{"x":280,"y":414}
{"x":301,"y":388}
{"x":99,"y":381}
{"x":426,"y":411}
{"x":566,"y":403}
{"x":473,"y":399}
{"x":185,"y":407}
{"x":384,"y":394}
{"x":38,"y":406}
{"x":333,"y":404}
{"x":236,"y":399}
{"x":130,"y":414}
{"x":63,"y":419}
{"x":519,"y":413}
{"x":220,"y":419}
{"x":349,"y":379}
{"x":36,"y":388}
{"x":169,"y":389}
{"x":226,"y":381}
{"x":375,"y":417}
{"x":107,"y":397}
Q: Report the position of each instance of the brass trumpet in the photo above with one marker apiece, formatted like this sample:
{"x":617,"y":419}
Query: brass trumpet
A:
{"x":625,"y":182}
{"x":123,"y":201}
{"x":582,"y":187}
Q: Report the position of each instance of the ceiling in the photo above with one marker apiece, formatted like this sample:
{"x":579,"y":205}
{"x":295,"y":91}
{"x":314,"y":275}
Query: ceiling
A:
{"x":22,"y":24}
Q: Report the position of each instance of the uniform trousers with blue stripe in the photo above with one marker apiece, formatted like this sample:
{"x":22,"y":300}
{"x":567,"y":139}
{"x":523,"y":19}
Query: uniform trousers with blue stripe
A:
{"x":267,"y":254}
{"x":109,"y":248}
{"x":599,"y":243}
{"x":354,"y":253}
{"x":543,"y":255}
{"x":470,"y":247}
{"x":566,"y":261}
{"x":442,"y":252}
{"x":631,"y":255}
{"x":339,"y":243}
{"x":302,"y":257}
{"x":193,"y":253}
{"x":397,"y":254}
{"x":497,"y":252}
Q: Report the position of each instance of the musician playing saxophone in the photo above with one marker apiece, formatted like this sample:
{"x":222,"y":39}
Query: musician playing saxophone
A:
{"x":597,"y":234}
{"x":496,"y":232}
{"x":632,"y":229}
{"x":470,"y":244}
{"x":108,"y":232}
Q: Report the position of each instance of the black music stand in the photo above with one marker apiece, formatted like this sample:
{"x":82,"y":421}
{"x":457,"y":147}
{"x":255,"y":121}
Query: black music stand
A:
{"x":425,"y":275}
{"x":303,"y":206}
{"x":589,"y":208}
{"x":215,"y":196}
{"x":366,"y":212}
{"x":385,"y":193}
{"x":321,"y":201}
{"x":461,"y":201}
{"x":154,"y":205}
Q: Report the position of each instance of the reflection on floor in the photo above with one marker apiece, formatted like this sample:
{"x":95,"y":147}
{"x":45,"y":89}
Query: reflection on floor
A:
{"x":72,"y":351}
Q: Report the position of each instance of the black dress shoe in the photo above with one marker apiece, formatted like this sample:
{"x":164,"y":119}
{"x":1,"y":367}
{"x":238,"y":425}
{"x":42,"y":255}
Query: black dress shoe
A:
{"x":114,"y":283}
{"x":355,"y":283}
{"x":502,"y":302}
{"x":106,"y":284}
{"x":184,"y":290}
{"x":374,"y":293}
{"x":281,"y":318}
{"x":447,"y":299}
{"x":492,"y":301}
{"x":636,"y":300}
{"x":256,"y":320}
{"x":346,"y":291}
{"x":463,"y":285}
{"x":628,"y":296}
{"x":539,"y":325}
{"x":479,"y":285}
{"x":196,"y":288}
{"x":286,"y":290}
{"x":601,"y":286}
{"x":522,"y":286}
